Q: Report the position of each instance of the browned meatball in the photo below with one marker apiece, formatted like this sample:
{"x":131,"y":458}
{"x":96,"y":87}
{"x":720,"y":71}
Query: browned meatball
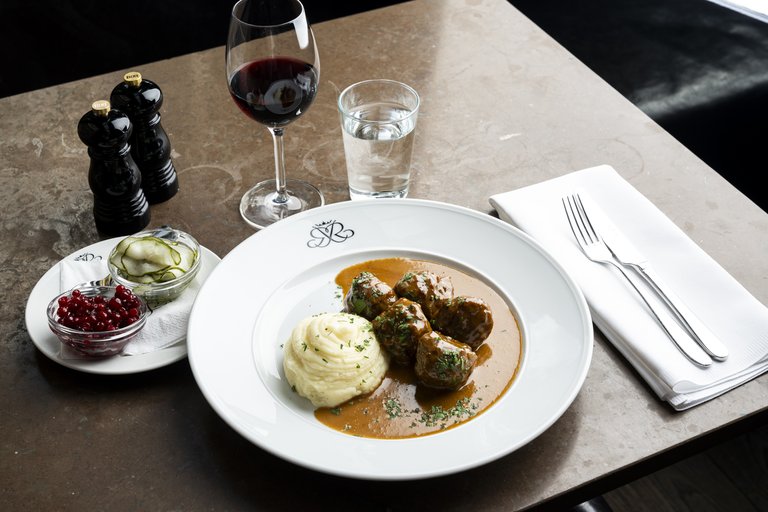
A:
{"x":399,"y":328}
{"x":442,"y":362}
{"x":427,"y":288}
{"x":466,"y":319}
{"x":368,"y":296}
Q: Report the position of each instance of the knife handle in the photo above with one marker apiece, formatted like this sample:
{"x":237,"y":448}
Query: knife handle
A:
{"x":703,"y":336}
{"x":674,"y":331}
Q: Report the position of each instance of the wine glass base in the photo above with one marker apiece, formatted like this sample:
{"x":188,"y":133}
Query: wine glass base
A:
{"x":259,"y":206}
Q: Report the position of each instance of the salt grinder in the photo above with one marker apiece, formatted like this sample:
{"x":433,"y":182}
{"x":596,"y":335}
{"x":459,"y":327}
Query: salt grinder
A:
{"x":141,"y":99}
{"x":119,"y":204}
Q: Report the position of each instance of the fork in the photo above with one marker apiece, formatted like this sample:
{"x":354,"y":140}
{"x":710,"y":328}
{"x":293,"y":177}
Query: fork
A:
{"x":104,"y":281}
{"x":596,"y":250}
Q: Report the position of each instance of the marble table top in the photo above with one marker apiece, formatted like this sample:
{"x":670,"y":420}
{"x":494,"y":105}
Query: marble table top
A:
{"x":503,"y":106}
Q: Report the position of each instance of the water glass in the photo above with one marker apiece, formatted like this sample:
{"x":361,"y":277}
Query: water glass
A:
{"x":378,"y":119}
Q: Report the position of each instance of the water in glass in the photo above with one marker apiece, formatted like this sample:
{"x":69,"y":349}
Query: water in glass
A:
{"x":378,"y":153}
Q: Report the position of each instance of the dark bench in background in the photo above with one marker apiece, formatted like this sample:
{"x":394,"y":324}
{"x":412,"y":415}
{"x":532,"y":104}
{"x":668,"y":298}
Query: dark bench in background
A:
{"x":47,"y":42}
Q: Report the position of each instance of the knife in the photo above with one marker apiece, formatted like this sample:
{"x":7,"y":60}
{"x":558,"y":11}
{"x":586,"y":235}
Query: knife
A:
{"x":631,"y":257}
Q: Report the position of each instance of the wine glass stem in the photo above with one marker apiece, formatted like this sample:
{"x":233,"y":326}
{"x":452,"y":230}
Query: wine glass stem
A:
{"x":277,"y":137}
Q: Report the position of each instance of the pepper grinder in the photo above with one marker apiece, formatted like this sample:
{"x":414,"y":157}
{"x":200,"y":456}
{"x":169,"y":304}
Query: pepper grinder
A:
{"x":141,"y":99}
{"x":119,"y":204}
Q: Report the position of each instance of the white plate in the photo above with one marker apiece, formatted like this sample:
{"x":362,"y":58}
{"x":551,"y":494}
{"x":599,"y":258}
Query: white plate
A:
{"x":285,"y":272}
{"x":37,"y":322}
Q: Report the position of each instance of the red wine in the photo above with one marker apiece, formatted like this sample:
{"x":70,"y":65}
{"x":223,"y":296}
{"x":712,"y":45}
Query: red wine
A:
{"x":274,"y":91}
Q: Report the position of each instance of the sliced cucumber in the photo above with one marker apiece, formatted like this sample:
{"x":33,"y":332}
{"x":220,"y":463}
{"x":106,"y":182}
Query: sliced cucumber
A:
{"x":148,"y":255}
{"x":117,"y":255}
{"x":168,"y":274}
{"x":151,"y":259}
{"x":188,"y":256}
{"x":147,"y":279}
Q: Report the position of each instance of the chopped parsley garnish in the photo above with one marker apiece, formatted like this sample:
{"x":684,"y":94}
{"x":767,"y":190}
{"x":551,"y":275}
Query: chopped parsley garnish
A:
{"x":393,"y":408}
{"x":438,"y":416}
{"x":450,"y":361}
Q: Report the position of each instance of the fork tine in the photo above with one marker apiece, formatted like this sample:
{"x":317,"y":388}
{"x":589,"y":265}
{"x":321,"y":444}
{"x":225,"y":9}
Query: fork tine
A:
{"x":580,"y":231}
{"x":591,"y":232}
{"x":571,"y":220}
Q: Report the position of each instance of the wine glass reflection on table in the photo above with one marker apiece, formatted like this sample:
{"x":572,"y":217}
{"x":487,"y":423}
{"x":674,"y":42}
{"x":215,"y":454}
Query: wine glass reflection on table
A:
{"x":273,"y":71}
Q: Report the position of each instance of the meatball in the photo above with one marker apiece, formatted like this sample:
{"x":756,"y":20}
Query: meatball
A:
{"x":368,"y":296}
{"x":466,"y":319}
{"x":427,"y":288}
{"x":442,"y":362}
{"x":399,"y":328}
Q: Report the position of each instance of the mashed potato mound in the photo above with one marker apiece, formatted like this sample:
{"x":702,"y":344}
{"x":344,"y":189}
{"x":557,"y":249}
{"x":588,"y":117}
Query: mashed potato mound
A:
{"x":333,"y":357}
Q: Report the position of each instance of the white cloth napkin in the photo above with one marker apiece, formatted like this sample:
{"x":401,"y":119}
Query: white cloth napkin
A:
{"x":166,"y":325}
{"x":738,"y":319}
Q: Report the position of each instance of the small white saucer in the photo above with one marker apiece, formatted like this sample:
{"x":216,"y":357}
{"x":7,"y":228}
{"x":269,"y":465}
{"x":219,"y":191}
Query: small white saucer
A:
{"x":47,"y":342}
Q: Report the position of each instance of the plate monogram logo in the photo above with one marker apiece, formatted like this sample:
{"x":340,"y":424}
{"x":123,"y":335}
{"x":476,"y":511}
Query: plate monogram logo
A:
{"x":328,"y":231}
{"x":87,"y":256}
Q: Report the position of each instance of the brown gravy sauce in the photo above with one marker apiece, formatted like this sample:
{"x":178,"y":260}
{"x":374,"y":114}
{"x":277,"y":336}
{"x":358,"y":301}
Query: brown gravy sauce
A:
{"x":399,"y":407}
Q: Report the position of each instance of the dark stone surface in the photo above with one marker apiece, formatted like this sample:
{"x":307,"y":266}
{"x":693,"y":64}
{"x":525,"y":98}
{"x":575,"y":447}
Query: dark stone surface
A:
{"x":73,"y":441}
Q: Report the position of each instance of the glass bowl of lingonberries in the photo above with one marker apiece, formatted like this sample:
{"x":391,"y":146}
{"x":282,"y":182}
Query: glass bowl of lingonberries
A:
{"x":97,"y":321}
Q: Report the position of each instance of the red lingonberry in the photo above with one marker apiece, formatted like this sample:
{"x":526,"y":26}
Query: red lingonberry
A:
{"x":97,"y":313}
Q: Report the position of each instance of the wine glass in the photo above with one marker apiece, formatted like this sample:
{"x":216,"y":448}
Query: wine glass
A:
{"x":273,"y":70}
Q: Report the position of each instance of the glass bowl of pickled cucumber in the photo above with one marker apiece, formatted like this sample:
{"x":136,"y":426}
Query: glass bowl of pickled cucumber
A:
{"x":158,"y":264}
